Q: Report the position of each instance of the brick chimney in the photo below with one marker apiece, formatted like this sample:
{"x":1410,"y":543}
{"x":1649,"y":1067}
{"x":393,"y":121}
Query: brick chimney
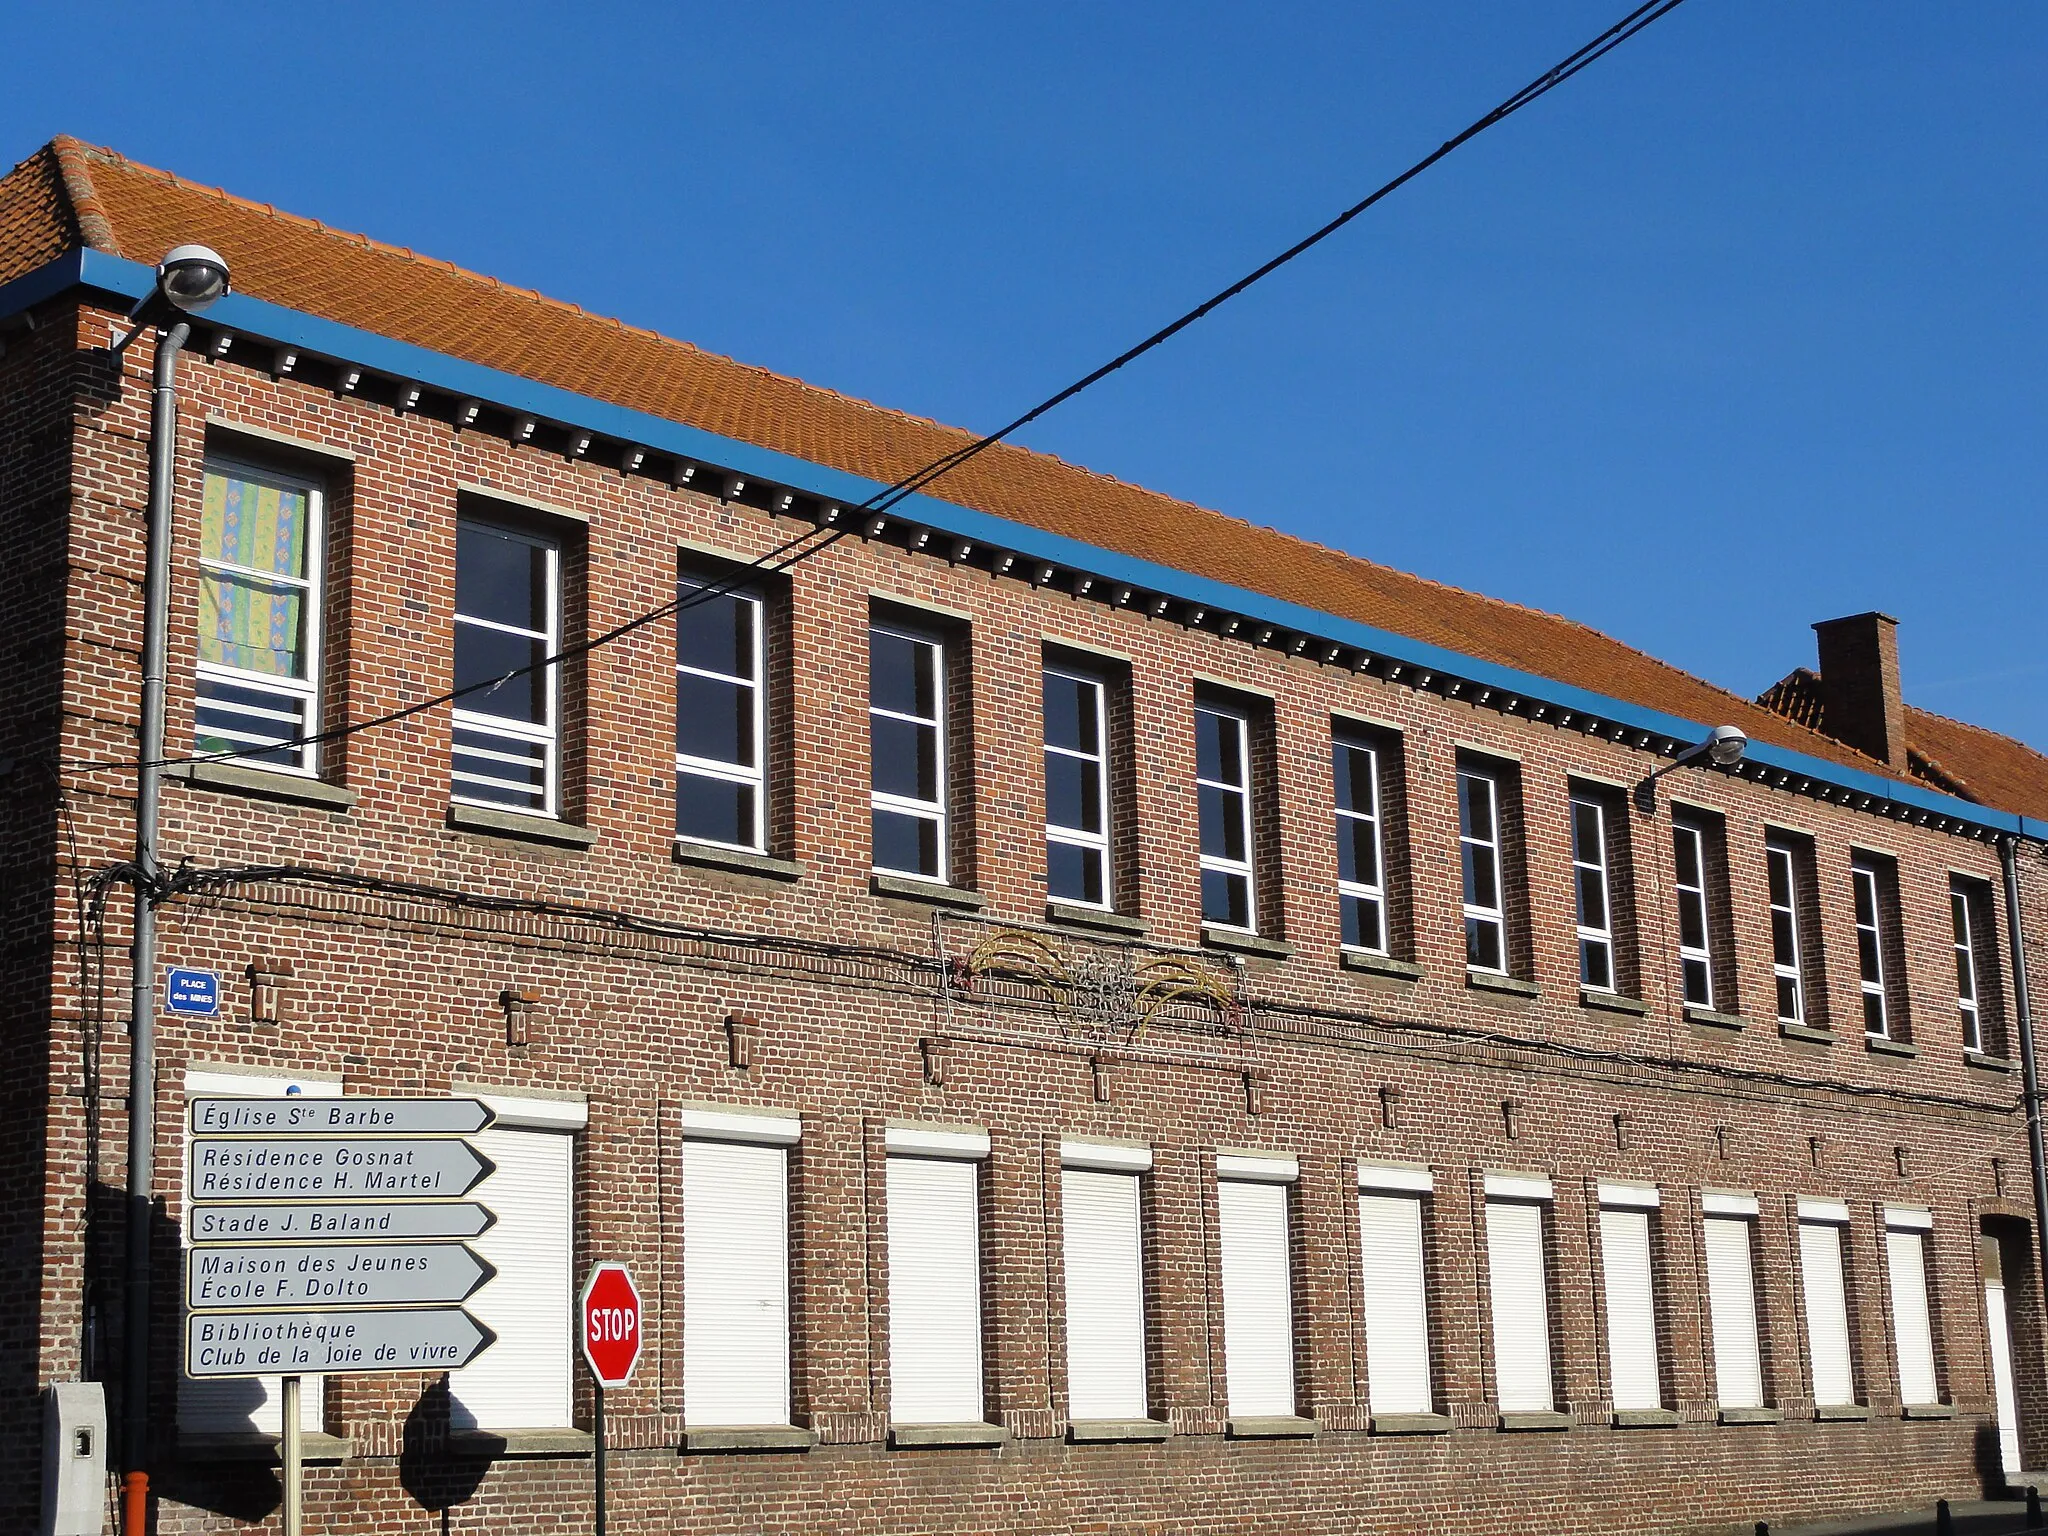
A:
{"x":1859,"y":685}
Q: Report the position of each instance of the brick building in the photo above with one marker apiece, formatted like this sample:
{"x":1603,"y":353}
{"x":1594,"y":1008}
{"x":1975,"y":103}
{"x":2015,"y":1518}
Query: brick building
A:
{"x":1079,"y":1011}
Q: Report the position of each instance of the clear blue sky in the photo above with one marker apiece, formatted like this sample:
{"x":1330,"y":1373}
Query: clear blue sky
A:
{"x":1741,"y":329}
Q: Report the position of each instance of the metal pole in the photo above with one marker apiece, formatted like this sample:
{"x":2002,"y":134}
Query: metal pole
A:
{"x":135,"y":1373}
{"x":2030,"y":1080}
{"x":294,"y":1494}
{"x":599,"y":1459}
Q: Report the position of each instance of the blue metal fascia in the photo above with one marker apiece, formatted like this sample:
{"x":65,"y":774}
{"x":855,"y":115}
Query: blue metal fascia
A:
{"x":310,"y":333}
{"x":47,"y":281}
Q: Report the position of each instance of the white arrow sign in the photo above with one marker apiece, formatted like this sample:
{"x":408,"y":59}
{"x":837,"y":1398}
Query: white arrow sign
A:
{"x":343,"y":1274}
{"x":338,"y":1117}
{"x":340,"y":1221}
{"x":318,"y":1343}
{"x":375,"y":1168}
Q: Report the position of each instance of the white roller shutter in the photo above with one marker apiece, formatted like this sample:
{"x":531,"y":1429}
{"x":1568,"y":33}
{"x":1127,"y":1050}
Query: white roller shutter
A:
{"x":1395,"y":1304}
{"x":1631,"y":1309}
{"x":522,"y":1381}
{"x":1906,"y":1261}
{"x":1521,"y":1312}
{"x":1827,"y":1313}
{"x":1104,"y":1248}
{"x":2001,"y":1377}
{"x":735,"y":1283}
{"x":1731,"y":1299}
{"x":1258,"y":1307}
{"x":934,"y":1291}
{"x":249,"y":1404}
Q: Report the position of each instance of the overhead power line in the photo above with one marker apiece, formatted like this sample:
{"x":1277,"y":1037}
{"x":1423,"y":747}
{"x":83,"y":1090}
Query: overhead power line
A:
{"x":815,"y":541}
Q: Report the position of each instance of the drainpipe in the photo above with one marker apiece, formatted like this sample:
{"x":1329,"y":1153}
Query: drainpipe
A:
{"x":135,"y":1372}
{"x":2008,"y":851}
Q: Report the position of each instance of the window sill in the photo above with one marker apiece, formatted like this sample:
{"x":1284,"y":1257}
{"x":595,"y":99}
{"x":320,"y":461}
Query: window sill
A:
{"x":1547,"y":1420}
{"x":1379,"y":965}
{"x":733,"y":860}
{"x":1072,"y":915}
{"x":1645,"y":1418}
{"x":1411,"y":1424}
{"x":1986,"y":1063}
{"x":751,"y":1437}
{"x":1241,"y":943}
{"x":258,"y":1447}
{"x":1928,"y":1411}
{"x":520,"y":826}
{"x":1494,"y":981}
{"x":1806,"y":1032}
{"x":931,"y":892}
{"x":1708,"y":1018}
{"x":1840,"y":1413}
{"x":1279,"y":1426}
{"x":909,"y":1436}
{"x":1879,"y":1045}
{"x":262,"y":784}
{"x":1752,"y":1415}
{"x":519,"y":1442}
{"x":1111,"y":1431}
{"x":1613,"y":1002}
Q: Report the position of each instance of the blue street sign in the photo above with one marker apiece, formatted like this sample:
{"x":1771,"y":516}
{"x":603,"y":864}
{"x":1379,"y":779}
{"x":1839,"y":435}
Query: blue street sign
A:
{"x":192,"y":991}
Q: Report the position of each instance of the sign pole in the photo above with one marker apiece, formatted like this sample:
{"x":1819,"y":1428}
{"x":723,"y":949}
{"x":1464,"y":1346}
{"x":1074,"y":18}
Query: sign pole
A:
{"x":600,"y":1459}
{"x":294,"y":1504}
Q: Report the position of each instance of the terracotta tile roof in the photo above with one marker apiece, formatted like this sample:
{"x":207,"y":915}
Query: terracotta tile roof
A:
{"x":70,"y":192}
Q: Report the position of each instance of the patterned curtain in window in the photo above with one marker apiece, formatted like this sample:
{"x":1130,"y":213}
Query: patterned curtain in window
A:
{"x":252,"y":591}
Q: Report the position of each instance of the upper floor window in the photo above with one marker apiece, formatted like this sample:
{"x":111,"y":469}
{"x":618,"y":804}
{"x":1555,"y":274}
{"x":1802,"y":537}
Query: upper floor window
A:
{"x":508,"y":620}
{"x":1876,"y":925}
{"x":1594,"y":894}
{"x":906,"y":740}
{"x":1223,"y":788}
{"x":721,"y":717}
{"x":1695,"y":941}
{"x":1361,"y":846}
{"x":1486,"y":947}
{"x":1077,"y":867}
{"x":1787,"y":959}
{"x":258,"y":683}
{"x":1976,"y":965}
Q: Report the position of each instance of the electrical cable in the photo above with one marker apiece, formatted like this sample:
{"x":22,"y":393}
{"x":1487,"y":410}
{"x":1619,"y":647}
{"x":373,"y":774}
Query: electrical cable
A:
{"x":881,"y":501}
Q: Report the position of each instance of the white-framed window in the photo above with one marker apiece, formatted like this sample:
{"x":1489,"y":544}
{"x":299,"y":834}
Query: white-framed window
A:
{"x":1963,"y":904}
{"x":1731,"y":1299}
{"x":508,"y":615}
{"x":1102,"y":1216}
{"x":721,"y":717}
{"x":1695,"y":933}
{"x":1394,"y":1300}
{"x":246,"y":1404}
{"x":1867,"y":880}
{"x":1077,"y":830}
{"x":1486,"y":946}
{"x":1905,"y":1262}
{"x":907,"y":744}
{"x":257,"y":688}
{"x":736,"y":1267}
{"x":523,"y":1381}
{"x":1361,"y":849}
{"x":1826,"y":1294}
{"x":1521,"y":1299}
{"x":1223,"y":788}
{"x":1257,"y":1246}
{"x":1628,"y":1276}
{"x":933,"y":1188}
{"x":1787,"y":963}
{"x":1591,"y":888}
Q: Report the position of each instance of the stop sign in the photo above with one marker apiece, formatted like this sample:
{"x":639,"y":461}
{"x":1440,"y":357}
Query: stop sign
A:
{"x":611,"y":1324}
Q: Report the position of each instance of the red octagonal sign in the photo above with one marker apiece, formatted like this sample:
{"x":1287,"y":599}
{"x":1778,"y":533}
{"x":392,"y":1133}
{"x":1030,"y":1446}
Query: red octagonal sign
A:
{"x":611,"y":1324}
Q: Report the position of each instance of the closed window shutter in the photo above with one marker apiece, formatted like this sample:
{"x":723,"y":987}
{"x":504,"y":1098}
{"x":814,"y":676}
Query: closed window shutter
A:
{"x":735,"y":1283}
{"x":1631,"y":1309}
{"x":1258,"y":1310}
{"x":934,"y":1292}
{"x":1827,"y":1313}
{"x":1396,"y":1309}
{"x":1905,"y":1258}
{"x":245,"y":1404}
{"x":2001,"y":1376}
{"x":1521,"y":1311}
{"x":1105,"y":1294}
{"x":522,"y":1381}
{"x":1731,"y":1299}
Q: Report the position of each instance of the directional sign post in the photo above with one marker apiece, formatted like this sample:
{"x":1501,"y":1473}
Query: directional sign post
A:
{"x":610,"y":1313}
